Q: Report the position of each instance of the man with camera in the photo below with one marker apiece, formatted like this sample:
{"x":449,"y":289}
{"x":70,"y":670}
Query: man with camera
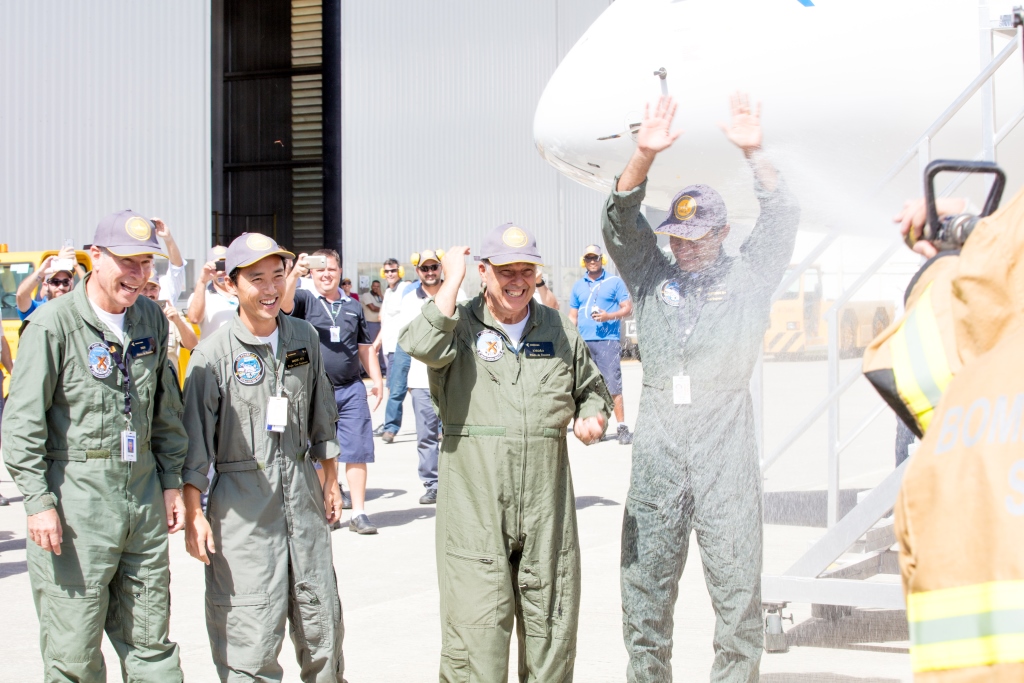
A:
{"x":604,"y":300}
{"x":344,"y":344}
{"x":701,"y":318}
{"x":55,"y":274}
{"x":212,"y":304}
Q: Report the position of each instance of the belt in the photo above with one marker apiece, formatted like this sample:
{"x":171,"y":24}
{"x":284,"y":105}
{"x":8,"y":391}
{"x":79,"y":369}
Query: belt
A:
{"x":485,"y":430}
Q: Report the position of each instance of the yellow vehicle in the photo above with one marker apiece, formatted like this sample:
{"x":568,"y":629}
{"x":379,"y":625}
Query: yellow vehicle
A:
{"x":798,"y":327}
{"x":15,"y":266}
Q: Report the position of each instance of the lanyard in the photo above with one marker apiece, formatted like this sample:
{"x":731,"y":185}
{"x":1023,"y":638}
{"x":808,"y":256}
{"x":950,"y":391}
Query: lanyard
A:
{"x":122,"y":367}
{"x":330,"y":311}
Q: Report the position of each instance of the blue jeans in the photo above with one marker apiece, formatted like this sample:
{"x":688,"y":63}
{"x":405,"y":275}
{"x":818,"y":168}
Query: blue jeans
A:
{"x":398,"y":376}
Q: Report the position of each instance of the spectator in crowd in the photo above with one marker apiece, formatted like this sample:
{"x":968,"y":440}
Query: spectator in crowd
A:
{"x":387,"y":341}
{"x":212,"y":304}
{"x":543,"y":293}
{"x":428,"y":426}
{"x":344,"y":344}
{"x":604,"y":301}
{"x":371,"y":311}
{"x":346,"y":286}
{"x":52,"y":283}
{"x":180,"y":333}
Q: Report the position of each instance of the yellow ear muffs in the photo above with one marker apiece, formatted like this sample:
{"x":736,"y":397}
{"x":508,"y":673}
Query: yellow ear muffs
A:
{"x":401,"y":272}
{"x":583,"y":262}
{"x":415,"y":258}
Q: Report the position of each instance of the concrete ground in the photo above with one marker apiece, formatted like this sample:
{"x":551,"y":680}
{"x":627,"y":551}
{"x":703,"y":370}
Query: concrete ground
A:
{"x":388,"y":582}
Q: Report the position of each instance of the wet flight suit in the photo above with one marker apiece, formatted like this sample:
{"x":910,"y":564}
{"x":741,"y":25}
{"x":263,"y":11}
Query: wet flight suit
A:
{"x":62,"y":445}
{"x":696,"y":465}
{"x":507,"y":545}
{"x":266,"y":506}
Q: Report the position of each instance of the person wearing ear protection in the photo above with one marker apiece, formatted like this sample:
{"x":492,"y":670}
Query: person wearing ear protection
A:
{"x":387,"y":342}
{"x":701,"y":317}
{"x":603,"y":300}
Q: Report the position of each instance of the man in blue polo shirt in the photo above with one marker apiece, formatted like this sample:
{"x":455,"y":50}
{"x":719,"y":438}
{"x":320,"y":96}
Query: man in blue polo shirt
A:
{"x":598,"y":302}
{"x":344,"y":343}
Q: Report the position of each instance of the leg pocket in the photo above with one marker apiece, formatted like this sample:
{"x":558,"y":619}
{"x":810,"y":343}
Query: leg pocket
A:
{"x":308,"y":616}
{"x":73,"y":618}
{"x":128,"y":612}
{"x":567,"y":595}
{"x":471,"y":588}
{"x":454,"y":667}
{"x":241,"y":628}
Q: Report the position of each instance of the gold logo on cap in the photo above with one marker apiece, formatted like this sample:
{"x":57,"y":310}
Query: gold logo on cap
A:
{"x":220,"y":251}
{"x":685,"y":208}
{"x":514,"y":237}
{"x":258,"y":242}
{"x":138,"y":228}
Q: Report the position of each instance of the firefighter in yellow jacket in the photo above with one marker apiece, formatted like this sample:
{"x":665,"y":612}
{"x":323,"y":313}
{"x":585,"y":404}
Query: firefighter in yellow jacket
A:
{"x":960,"y":513}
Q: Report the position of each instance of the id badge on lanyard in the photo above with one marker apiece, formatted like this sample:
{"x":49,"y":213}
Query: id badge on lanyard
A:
{"x":129,"y":443}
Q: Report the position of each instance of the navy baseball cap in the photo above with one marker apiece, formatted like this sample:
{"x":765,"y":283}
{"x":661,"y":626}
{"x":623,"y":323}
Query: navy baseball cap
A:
{"x":510,"y":243}
{"x":126,"y":233}
{"x":250,"y":247}
{"x":695,"y":211}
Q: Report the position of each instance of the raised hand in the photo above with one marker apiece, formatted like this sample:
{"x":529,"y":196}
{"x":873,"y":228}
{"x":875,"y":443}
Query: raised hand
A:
{"x":656,"y":134}
{"x":744,"y":128}
{"x":161,"y":229}
{"x":453,"y":263}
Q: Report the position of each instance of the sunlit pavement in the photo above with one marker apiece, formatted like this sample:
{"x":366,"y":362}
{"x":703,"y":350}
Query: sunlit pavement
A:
{"x":388,"y":582}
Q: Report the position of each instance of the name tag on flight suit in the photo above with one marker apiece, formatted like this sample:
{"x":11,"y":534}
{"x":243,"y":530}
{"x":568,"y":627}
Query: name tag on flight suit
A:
{"x":681,"y":390}
{"x":293,"y":359}
{"x":277,"y":414}
{"x":142,"y":347}
{"x":539,"y":349}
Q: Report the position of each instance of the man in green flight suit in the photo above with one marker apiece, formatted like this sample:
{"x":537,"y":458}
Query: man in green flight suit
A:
{"x":93,"y":438}
{"x":259,"y":405}
{"x":701,"y":319}
{"x":506,"y":375}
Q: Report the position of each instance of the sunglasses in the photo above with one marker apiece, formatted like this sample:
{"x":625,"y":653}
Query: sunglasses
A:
{"x":390,"y":270}
{"x":591,"y":257}
{"x":59,"y":282}
{"x":430,"y":269}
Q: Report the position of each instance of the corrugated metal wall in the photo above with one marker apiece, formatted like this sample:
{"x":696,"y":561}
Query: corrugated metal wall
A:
{"x":105,"y":106}
{"x":438,"y":129}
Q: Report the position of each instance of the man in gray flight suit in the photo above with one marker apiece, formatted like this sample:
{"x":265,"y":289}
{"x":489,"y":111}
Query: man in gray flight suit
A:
{"x":259,"y":406}
{"x":507,"y":375}
{"x":92,"y":436}
{"x":701,"y":320}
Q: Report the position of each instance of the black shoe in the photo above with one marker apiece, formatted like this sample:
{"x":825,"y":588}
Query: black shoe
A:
{"x":4,"y":502}
{"x":430,"y":497}
{"x":624,"y":437}
{"x":379,"y":430}
{"x":346,"y":500}
{"x":361,"y":525}
{"x":387,"y":437}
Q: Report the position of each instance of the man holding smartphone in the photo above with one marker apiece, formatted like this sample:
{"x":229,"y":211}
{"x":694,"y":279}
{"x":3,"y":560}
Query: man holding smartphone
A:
{"x":56,"y":273}
{"x":604,"y":301}
{"x":212,"y":304}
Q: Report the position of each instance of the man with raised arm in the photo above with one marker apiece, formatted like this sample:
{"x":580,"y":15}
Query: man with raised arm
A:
{"x":701,"y":317}
{"x":507,"y":375}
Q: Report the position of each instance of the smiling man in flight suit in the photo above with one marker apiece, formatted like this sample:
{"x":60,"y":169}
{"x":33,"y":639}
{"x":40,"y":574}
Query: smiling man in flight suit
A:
{"x":258,"y":404}
{"x":92,"y":436}
{"x":507,"y":375}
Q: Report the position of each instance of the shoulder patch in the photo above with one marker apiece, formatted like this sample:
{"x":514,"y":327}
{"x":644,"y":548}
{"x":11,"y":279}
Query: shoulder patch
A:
{"x":248,"y":368}
{"x":489,"y":345}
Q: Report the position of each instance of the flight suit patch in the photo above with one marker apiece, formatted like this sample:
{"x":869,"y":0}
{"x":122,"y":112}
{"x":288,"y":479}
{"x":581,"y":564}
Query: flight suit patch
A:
{"x":100,"y":362}
{"x":668,"y":293}
{"x":248,"y":368}
{"x":489,"y":345}
{"x":142,"y":347}
{"x":293,"y":359}
{"x":539,"y":349}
